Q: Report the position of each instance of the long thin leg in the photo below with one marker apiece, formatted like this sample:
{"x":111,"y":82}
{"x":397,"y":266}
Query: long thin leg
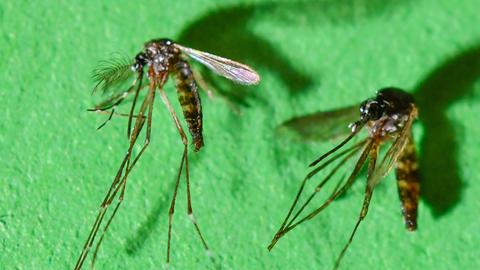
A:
{"x":184,"y":160}
{"x":203,"y":83}
{"x":351,"y":153}
{"x":116,"y":99}
{"x":192,"y":216}
{"x":140,"y":76}
{"x":171,"y":211}
{"x":116,"y":184}
{"x":189,"y":205}
{"x":311,"y":174}
{"x":103,"y":208}
{"x":122,"y":185}
{"x":111,"y":114}
{"x":211,"y":91}
{"x":357,"y":128}
{"x":108,"y":119}
{"x":330,"y":199}
{"x":100,"y":216}
{"x":345,"y":187}
{"x":185,"y":143}
{"x":119,"y":114}
{"x":366,"y":201}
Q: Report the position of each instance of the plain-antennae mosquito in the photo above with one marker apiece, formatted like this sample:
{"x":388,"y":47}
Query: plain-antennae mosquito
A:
{"x":387,"y":117}
{"x":159,"y":59}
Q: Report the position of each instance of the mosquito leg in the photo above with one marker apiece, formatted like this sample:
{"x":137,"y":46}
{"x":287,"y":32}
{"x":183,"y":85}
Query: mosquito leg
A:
{"x":189,"y":205}
{"x":332,"y":197}
{"x":140,"y":121}
{"x":171,"y":211}
{"x":108,"y":119}
{"x":187,"y":172}
{"x":120,"y":200}
{"x":184,"y":160}
{"x":137,"y":129}
{"x":311,"y":174}
{"x":357,"y":128}
{"x":211,"y":91}
{"x":116,"y":99}
{"x":185,"y":143}
{"x":302,"y":186}
{"x":103,"y":208}
{"x":347,"y":185}
{"x":119,"y":114}
{"x":203,"y":83}
{"x":351,"y":152}
{"x":366,"y":201}
{"x":113,"y":188}
{"x":140,"y":76}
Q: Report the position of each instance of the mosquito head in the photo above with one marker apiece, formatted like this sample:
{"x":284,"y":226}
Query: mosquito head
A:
{"x":140,"y":62}
{"x":371,"y":110}
{"x":388,"y":102}
{"x":387,"y":112}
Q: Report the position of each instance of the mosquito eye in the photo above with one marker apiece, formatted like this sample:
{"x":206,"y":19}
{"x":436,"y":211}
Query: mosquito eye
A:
{"x":374,"y":111}
{"x":371,"y":110}
{"x":140,"y":61}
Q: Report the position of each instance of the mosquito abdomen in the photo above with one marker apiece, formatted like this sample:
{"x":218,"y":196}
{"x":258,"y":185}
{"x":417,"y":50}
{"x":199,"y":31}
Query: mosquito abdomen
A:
{"x":408,"y":183}
{"x":189,"y":98}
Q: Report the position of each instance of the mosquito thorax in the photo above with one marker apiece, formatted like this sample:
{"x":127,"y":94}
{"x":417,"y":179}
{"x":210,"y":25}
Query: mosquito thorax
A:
{"x":159,"y":54}
{"x":387,"y":112}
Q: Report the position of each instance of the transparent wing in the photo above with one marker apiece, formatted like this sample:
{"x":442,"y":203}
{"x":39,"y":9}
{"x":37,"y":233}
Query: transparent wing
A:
{"x":112,"y":72}
{"x":227,"y":68}
{"x":320,"y":126}
{"x":394,"y":152}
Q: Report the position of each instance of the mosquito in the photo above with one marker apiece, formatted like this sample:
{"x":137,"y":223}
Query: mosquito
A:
{"x":388,"y":117}
{"x":159,"y":59}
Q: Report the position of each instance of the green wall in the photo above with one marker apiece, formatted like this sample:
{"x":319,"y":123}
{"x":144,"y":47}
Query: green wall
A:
{"x":312,"y":56}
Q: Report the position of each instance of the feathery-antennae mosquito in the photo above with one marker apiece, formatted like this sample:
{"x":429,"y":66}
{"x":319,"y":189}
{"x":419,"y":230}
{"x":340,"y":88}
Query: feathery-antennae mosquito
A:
{"x":387,"y":117}
{"x":159,"y":59}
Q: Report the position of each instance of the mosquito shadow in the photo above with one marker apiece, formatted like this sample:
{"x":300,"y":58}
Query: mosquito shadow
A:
{"x":137,"y":241}
{"x":449,"y":83}
{"x":227,"y":32}
{"x":336,"y":12}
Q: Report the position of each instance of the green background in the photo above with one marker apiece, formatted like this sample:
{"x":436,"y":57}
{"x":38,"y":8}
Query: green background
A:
{"x":319,"y":55}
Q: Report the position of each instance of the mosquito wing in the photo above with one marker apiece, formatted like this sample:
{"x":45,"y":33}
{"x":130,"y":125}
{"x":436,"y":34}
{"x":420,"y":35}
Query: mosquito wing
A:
{"x":112,"y":72}
{"x":320,"y":126}
{"x":227,"y":68}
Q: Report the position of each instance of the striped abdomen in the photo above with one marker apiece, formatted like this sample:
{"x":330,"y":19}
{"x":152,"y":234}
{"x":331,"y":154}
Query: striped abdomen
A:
{"x":408,"y":183}
{"x":189,"y":98}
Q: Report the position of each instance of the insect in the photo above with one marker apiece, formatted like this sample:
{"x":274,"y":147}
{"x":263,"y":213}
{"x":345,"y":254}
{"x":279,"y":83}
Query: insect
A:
{"x":387,"y":117}
{"x":152,"y":67}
